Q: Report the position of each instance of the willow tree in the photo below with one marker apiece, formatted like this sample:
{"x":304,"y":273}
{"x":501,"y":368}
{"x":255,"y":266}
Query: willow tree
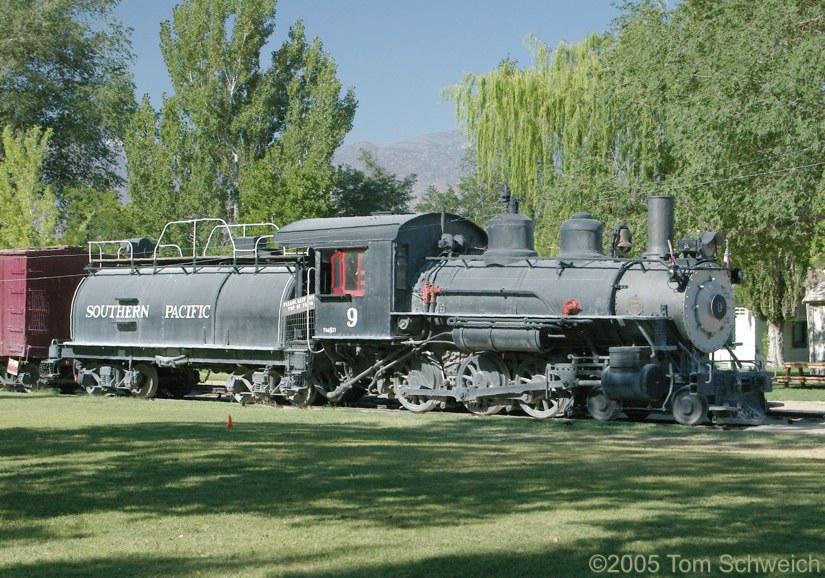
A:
{"x":555,"y":132}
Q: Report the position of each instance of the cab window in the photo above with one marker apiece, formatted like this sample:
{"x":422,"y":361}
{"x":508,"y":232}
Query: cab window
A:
{"x":348,"y":272}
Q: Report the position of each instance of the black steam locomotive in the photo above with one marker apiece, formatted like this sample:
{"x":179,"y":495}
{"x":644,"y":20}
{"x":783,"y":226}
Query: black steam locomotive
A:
{"x":425,"y":308}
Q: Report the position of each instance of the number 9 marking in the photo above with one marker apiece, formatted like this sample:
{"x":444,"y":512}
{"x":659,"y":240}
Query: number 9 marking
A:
{"x":352,"y":317}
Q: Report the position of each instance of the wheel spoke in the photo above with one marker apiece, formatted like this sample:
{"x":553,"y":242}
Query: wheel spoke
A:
{"x":539,"y":406}
{"x":419,"y":372}
{"x":478,"y":371}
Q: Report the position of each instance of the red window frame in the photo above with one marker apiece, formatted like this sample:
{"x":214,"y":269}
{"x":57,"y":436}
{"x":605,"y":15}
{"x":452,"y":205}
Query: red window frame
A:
{"x":348,"y":272}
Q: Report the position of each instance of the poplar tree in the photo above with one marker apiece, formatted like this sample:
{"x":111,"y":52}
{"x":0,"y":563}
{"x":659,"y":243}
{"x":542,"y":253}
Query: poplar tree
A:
{"x":28,"y":214}
{"x":237,"y":140}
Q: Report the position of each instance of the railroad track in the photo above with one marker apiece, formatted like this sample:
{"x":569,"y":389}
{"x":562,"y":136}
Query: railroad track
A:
{"x":813,"y":412}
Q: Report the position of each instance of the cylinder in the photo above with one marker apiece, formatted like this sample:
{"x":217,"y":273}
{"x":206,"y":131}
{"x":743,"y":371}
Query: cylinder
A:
{"x":631,"y":377}
{"x":659,"y":225}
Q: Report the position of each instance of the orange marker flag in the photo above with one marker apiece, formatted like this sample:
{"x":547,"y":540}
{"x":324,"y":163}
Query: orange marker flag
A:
{"x":229,"y":423}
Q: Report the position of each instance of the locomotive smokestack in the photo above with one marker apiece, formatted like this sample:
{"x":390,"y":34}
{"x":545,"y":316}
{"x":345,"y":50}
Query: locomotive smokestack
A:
{"x":659,"y":225}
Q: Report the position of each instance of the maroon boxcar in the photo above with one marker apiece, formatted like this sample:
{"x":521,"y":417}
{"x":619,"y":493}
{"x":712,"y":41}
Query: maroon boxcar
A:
{"x":36,"y":290}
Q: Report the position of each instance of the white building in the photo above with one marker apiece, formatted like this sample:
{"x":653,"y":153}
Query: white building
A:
{"x":750,"y":337}
{"x":804,"y":338}
{"x":815,"y":305}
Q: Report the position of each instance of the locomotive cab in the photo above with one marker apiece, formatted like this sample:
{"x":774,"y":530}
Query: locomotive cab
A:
{"x":366,"y":267}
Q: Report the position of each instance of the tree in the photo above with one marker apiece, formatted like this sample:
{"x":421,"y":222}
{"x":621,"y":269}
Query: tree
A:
{"x":375,"y":189}
{"x":64,"y":66}
{"x":27,"y":205}
{"x":94,"y":215}
{"x":473,"y":200}
{"x":739,"y":90}
{"x":554,"y":134}
{"x":718,"y":103}
{"x":435,"y":200}
{"x":238,"y":140}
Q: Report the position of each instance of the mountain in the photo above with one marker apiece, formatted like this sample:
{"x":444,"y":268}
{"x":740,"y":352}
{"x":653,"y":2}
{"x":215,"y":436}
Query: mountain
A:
{"x":435,"y":158}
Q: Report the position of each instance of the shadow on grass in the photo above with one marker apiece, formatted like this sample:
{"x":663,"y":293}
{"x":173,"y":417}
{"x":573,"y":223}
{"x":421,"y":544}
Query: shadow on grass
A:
{"x":696,"y":501}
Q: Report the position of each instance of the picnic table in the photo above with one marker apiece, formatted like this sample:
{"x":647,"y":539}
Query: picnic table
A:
{"x":799,"y":372}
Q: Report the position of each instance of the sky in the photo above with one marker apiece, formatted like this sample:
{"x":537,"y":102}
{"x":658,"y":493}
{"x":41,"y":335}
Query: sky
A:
{"x":397,"y":54}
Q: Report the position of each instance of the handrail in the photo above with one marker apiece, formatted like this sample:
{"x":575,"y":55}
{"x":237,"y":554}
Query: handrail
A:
{"x":121,"y":243}
{"x":194,"y":223}
{"x":241,"y":226}
{"x":126,"y":249}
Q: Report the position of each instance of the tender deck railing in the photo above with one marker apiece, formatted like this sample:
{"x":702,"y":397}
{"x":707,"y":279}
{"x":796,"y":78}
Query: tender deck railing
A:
{"x":123,"y":251}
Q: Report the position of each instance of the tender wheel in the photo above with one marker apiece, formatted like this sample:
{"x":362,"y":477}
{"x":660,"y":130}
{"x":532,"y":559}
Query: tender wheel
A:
{"x":28,"y":376}
{"x":540,"y":406}
{"x":601,"y":407}
{"x":480,"y":371}
{"x":689,"y":408}
{"x":417,"y":373}
{"x":323,"y":377}
{"x":182,"y":382}
{"x":147,"y":381}
{"x":94,"y":388}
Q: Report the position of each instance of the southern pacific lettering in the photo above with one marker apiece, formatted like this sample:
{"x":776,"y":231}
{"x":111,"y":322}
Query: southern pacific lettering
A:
{"x":117,"y":311}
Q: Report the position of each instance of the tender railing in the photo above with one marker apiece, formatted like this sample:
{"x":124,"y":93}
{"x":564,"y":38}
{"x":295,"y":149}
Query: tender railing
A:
{"x":101,"y":252}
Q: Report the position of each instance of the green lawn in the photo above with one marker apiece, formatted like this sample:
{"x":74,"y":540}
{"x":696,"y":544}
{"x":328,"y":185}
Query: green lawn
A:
{"x":102,"y":486}
{"x":795,"y":393}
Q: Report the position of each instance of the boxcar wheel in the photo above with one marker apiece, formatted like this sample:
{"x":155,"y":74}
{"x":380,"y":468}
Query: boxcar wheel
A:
{"x":28,"y":376}
{"x":147,"y":385}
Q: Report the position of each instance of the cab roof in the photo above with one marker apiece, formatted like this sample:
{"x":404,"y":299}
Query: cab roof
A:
{"x":352,"y":231}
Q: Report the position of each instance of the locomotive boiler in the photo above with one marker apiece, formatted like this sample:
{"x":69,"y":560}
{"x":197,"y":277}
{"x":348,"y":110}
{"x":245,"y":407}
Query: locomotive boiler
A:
{"x":428,"y":309}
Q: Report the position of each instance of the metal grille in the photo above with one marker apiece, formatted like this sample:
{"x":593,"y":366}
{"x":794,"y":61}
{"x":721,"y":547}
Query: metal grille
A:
{"x":298,"y":328}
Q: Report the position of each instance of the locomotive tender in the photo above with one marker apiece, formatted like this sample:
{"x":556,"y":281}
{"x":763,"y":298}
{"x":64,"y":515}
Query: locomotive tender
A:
{"x":426,"y":308}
